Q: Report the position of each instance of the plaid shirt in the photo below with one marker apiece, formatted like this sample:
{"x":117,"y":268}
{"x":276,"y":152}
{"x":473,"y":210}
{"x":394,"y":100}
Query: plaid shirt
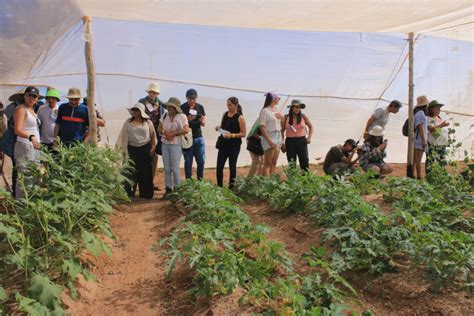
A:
{"x":370,"y":155}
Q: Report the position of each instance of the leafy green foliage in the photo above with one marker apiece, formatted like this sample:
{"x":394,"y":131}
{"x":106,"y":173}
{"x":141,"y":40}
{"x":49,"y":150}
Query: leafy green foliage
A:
{"x":226,"y":251}
{"x":67,"y":203}
{"x":431,"y":223}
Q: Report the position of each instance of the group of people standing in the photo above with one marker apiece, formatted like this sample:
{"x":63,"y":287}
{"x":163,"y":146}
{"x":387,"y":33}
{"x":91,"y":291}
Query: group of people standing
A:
{"x":431,"y":139}
{"x":28,"y":124}
{"x":173,"y":129}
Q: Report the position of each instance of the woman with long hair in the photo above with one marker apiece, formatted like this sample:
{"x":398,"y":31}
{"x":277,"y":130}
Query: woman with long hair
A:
{"x":421,"y":133}
{"x":270,"y":127}
{"x":138,"y":140}
{"x":173,"y":125}
{"x":296,"y":143}
{"x":27,"y":146}
{"x":232,"y":129}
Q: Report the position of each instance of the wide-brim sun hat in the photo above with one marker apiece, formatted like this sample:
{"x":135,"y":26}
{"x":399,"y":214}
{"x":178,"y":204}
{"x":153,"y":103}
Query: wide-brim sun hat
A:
{"x":422,"y":100}
{"x":435,"y":103}
{"x":174,"y":103}
{"x":153,"y":87}
{"x":141,"y":108}
{"x":74,"y":93}
{"x":17,"y":96}
{"x":52,"y":93}
{"x":296,"y":102}
{"x":376,"y":131}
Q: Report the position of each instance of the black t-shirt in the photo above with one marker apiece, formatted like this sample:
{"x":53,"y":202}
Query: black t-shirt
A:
{"x":194,"y":124}
{"x":334,"y":155}
{"x":231,"y":124}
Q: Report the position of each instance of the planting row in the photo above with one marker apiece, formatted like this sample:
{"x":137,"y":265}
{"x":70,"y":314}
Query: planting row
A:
{"x":226,"y":251}
{"x":43,"y":236}
{"x":431,"y":223}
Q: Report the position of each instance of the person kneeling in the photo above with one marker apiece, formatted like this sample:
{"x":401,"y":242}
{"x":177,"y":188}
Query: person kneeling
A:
{"x":373,"y":152}
{"x":339,"y":158}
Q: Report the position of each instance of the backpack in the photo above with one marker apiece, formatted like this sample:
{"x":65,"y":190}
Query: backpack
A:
{"x":405,"y":128}
{"x":7,"y":142}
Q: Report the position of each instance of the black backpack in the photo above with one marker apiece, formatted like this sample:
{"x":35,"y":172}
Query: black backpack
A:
{"x":405,"y":127}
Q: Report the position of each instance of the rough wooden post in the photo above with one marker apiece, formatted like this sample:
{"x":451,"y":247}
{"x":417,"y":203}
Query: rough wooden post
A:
{"x":92,"y":135}
{"x":411,"y":120}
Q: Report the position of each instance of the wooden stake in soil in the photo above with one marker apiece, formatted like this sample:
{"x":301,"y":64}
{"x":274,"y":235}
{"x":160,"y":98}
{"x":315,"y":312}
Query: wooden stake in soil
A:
{"x":92,"y":134}
{"x":411,"y":122}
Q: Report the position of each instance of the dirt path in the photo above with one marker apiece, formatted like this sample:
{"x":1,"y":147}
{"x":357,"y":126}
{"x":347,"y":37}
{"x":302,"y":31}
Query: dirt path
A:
{"x":402,"y":293}
{"x":132,"y":281}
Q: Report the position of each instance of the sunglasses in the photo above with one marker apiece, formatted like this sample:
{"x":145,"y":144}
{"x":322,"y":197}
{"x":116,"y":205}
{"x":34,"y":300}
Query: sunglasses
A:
{"x":34,"y":96}
{"x":135,"y":110}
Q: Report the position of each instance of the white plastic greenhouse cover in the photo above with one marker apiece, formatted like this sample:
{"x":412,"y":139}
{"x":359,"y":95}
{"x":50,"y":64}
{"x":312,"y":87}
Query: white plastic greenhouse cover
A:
{"x":343,"y":58}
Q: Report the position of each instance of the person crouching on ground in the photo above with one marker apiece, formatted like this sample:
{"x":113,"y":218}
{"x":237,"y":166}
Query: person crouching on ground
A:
{"x":270,"y":126}
{"x":373,"y":152}
{"x":172,"y":126}
{"x":339,"y":159}
{"x":296,"y":143}
{"x":233,"y":130}
{"x":138,"y":140}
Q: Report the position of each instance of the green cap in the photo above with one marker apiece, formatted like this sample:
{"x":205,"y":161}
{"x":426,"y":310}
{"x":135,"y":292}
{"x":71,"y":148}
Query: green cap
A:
{"x":53,"y":94}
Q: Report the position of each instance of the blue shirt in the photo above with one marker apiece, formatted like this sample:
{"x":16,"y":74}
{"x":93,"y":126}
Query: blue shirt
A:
{"x":73,"y":122}
{"x":421,"y":122}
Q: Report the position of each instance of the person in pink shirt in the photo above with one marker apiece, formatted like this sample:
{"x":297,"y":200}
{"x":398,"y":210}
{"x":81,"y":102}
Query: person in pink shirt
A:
{"x":298,"y":130}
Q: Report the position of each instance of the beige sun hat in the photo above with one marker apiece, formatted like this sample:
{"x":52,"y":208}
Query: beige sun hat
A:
{"x":153,"y":87}
{"x":74,"y":93}
{"x":377,"y":130}
{"x":141,"y":108}
{"x":175,"y":103}
{"x":422,"y":100}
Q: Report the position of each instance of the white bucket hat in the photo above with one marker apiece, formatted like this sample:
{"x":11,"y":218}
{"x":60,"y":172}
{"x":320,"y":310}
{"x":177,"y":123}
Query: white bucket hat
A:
{"x":376,"y":131}
{"x":141,"y":108}
{"x":153,"y":87}
{"x":74,"y":93}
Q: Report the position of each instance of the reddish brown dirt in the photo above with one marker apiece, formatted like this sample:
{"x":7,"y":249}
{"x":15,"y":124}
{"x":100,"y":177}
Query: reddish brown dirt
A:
{"x":133,"y":281}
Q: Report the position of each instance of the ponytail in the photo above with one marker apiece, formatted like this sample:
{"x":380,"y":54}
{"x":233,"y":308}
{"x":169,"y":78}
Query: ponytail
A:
{"x":235,"y":102}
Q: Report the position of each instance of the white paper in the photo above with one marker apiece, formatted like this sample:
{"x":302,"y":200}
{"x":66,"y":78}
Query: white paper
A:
{"x":223,"y":132}
{"x":149,"y":107}
{"x":193,"y":112}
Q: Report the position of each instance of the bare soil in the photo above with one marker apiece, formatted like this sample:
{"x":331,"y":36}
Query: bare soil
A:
{"x":133,"y":280}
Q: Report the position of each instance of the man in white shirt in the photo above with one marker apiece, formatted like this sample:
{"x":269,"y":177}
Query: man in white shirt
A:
{"x":381,"y":115}
{"x":47,"y":115}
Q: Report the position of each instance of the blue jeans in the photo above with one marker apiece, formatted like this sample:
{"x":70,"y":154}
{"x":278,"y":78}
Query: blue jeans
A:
{"x":198,"y":151}
{"x":171,"y":155}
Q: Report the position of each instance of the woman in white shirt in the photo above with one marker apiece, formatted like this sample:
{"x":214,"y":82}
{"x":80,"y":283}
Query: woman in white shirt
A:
{"x":437,"y":136}
{"x":270,"y":127}
{"x":172,"y":126}
{"x":27,"y":146}
{"x":138,"y":140}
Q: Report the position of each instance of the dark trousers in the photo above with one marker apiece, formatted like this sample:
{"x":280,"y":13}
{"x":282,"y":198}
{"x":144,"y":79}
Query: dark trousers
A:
{"x":232,"y":153}
{"x":141,"y":172}
{"x":14,"y":175}
{"x":296,"y":146}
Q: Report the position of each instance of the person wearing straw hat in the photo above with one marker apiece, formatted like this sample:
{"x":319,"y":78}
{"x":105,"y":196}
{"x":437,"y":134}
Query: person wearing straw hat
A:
{"x":73,"y":120}
{"x":381,"y":115}
{"x":437,"y":137}
{"x":155,"y":108}
{"x":421,"y":133}
{"x":270,"y":126}
{"x":48,"y":113}
{"x":294,"y":126}
{"x":137,"y":140}
{"x":373,"y":152}
{"x":27,"y":146}
{"x":173,"y":125}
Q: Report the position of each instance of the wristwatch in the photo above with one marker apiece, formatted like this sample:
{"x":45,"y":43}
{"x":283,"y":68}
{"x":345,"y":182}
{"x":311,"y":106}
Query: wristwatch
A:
{"x":30,"y":137}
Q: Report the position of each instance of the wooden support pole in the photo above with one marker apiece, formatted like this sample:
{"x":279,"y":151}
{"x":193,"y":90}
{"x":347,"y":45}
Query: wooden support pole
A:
{"x":411,"y":119}
{"x":92,"y":134}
